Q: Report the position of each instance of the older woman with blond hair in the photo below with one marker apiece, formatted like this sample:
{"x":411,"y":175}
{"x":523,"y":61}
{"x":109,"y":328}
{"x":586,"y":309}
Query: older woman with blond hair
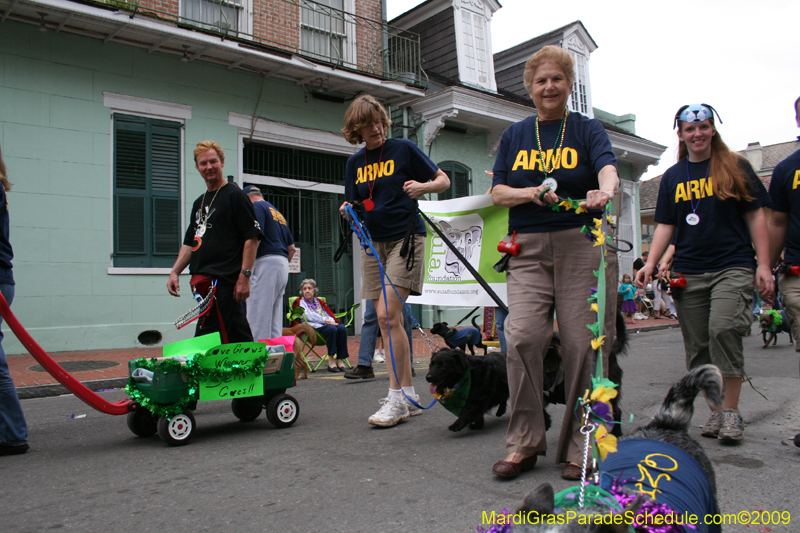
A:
{"x":553,"y":153}
{"x":387,"y":177}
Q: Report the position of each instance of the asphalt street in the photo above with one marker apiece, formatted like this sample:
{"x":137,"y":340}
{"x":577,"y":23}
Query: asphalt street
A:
{"x":332,"y":471}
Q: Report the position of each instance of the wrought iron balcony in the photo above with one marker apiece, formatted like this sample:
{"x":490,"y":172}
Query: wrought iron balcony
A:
{"x":316,"y":31}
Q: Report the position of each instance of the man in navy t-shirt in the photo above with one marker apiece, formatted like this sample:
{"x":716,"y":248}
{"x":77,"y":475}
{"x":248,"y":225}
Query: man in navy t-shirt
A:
{"x":271,"y":269}
{"x":784,"y":228}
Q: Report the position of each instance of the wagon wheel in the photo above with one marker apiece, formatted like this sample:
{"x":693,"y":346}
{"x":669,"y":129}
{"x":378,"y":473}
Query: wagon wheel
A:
{"x":178,"y":430}
{"x":282,"y":411}
{"x":245,"y":409}
{"x":142,"y":422}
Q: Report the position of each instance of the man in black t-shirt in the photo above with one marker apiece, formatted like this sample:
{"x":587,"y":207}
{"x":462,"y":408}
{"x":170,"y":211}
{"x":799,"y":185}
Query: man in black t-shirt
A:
{"x":639,"y":263}
{"x":220,"y":245}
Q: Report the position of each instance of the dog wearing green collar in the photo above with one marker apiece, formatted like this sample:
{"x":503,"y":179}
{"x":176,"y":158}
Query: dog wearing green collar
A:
{"x":468,"y":385}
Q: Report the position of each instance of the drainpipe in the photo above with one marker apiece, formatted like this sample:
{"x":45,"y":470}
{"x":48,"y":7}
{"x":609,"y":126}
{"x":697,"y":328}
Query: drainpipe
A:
{"x":385,"y":28}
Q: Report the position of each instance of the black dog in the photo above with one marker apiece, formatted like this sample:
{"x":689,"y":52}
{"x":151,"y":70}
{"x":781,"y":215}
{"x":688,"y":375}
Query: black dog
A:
{"x":769,"y":330}
{"x":458,"y":338}
{"x":554,"y":391}
{"x":469,"y":385}
{"x":656,"y":459}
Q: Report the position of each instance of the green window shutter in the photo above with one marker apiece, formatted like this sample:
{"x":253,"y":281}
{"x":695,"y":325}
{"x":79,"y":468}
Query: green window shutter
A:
{"x":460,"y":181}
{"x":147,"y":182}
{"x":166,"y":226}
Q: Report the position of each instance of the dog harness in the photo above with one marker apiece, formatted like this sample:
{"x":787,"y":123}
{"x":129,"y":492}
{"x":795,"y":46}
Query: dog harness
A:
{"x":455,"y":399}
{"x":663,"y":473}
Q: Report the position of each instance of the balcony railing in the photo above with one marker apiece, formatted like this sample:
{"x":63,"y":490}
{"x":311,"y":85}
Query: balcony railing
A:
{"x":304,"y":27}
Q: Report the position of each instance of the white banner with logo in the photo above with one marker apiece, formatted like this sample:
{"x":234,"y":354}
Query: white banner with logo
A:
{"x":475,"y":226}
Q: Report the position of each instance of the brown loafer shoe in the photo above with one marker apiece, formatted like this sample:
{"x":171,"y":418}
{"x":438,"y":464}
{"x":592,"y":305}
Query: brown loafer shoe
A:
{"x":510,"y":470}
{"x":572,"y":472}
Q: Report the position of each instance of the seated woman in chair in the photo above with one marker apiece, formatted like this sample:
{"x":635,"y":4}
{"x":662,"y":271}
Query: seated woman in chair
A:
{"x":318,"y":315}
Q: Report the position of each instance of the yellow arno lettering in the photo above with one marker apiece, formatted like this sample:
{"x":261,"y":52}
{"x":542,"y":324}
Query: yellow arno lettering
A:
{"x":709,"y":187}
{"x":535,"y":160}
{"x":521,"y":161}
{"x":796,"y":181}
{"x":551,"y":161}
{"x":694,"y":187}
{"x":374,"y":171}
{"x":680,"y":193}
{"x":569,"y":158}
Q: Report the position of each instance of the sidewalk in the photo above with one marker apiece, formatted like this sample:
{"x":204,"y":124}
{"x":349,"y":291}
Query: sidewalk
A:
{"x":108,"y":369}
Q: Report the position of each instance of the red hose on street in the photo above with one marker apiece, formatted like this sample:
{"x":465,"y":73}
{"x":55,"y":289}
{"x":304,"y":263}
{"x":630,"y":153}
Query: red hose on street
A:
{"x":77,"y":388}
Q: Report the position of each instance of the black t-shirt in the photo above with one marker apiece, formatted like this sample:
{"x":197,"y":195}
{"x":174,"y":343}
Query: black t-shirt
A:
{"x":784,"y":191}
{"x":400,"y":162}
{"x":231,"y":221}
{"x":585,"y":151}
{"x":277,"y":236}
{"x":638,"y":264}
{"x":721,"y":239}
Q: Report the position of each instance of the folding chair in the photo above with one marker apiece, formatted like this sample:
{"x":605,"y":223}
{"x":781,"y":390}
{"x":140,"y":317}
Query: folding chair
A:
{"x":296,"y":314}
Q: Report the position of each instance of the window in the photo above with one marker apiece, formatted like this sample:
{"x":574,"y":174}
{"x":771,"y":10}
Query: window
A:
{"x":147,"y":189}
{"x":475,"y":57}
{"x":322,"y":34}
{"x":580,"y":101}
{"x":221,"y":15}
{"x":460,"y":181}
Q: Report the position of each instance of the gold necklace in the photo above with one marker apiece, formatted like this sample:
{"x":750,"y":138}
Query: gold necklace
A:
{"x":560,"y":143}
{"x":201,"y":230}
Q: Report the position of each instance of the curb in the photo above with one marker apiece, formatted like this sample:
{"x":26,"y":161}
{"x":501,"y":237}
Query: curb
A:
{"x":44,"y":391}
{"x":657,"y":328}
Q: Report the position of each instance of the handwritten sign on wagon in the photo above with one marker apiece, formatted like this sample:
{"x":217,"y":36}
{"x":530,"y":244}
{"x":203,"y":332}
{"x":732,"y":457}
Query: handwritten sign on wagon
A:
{"x":220,"y":357}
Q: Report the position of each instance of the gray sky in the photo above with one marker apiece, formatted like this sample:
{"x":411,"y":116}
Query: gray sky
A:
{"x":742,"y":57}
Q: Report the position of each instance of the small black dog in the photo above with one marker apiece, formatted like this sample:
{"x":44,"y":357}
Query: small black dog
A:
{"x":469,"y":385}
{"x":769,"y":330}
{"x":458,"y":338}
{"x":656,"y":459}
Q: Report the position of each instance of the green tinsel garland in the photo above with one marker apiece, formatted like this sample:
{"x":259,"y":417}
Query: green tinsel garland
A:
{"x":195,"y":374}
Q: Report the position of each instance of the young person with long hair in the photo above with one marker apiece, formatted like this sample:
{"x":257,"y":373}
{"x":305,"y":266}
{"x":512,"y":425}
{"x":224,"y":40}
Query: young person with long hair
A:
{"x":712,"y":202}
{"x":387,"y":177}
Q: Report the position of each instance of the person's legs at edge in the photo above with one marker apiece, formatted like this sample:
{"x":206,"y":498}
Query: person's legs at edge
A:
{"x":366,"y":346}
{"x":281,"y":279}
{"x":500,"y":319}
{"x":13,"y":428}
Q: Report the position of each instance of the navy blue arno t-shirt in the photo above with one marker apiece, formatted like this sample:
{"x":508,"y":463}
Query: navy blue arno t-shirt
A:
{"x":585,"y":151}
{"x":386,"y":173}
{"x":784,"y":190}
{"x":721,"y":239}
{"x":277,"y":236}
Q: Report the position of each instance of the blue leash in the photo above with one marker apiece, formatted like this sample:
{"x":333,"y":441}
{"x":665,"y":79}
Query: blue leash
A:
{"x":366,"y":241}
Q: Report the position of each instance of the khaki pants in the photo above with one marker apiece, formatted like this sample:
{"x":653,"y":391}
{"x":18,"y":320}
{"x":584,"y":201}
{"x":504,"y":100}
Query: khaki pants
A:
{"x":714,"y":313}
{"x":553,"y":269}
{"x":790,"y":289}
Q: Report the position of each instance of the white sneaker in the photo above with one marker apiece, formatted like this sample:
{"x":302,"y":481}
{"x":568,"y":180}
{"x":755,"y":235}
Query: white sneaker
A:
{"x":413,"y":410}
{"x":639,"y":316}
{"x":390,"y":414}
{"x":378,"y":357}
